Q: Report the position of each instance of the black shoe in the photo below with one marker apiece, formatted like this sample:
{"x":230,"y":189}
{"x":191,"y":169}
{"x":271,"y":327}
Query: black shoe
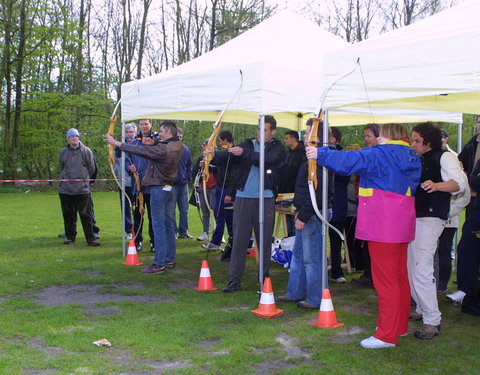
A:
{"x":231,"y":287}
{"x":68,"y":242}
{"x":94,"y":243}
{"x":139,"y":246}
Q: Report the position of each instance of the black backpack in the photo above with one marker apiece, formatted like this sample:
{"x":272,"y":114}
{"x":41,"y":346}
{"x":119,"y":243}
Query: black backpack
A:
{"x":471,"y":301}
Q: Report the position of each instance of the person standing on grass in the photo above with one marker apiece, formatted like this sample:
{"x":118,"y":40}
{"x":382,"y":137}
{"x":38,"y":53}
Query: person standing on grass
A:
{"x":76,"y":162}
{"x":441,"y":177}
{"x":443,"y":255}
{"x":130,"y":131}
{"x":306,"y":273}
{"x":137,"y":164}
{"x":180,"y":189}
{"x":245,"y":215}
{"x":469,"y":157}
{"x":469,"y":246}
{"x":210,"y":185}
{"x":339,"y":213}
{"x":163,"y":158}
{"x":371,"y":132}
{"x":294,"y":158}
{"x":389,"y":175}
{"x":224,"y":193}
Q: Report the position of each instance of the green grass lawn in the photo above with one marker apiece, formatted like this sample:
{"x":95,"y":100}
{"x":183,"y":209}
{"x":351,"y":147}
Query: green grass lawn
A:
{"x":55,"y":300}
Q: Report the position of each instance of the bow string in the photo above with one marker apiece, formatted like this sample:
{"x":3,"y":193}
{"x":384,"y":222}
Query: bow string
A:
{"x":212,"y":141}
{"x":313,"y":141}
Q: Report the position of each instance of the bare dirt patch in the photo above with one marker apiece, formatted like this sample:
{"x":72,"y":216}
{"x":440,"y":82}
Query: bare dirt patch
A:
{"x":93,"y":273}
{"x":293,"y":353}
{"x":49,"y":351}
{"x":359,"y":308}
{"x":36,"y":371}
{"x":208,"y":343}
{"x":122,"y":358}
{"x":346,"y":336}
{"x":181,"y":284}
{"x":90,"y":294}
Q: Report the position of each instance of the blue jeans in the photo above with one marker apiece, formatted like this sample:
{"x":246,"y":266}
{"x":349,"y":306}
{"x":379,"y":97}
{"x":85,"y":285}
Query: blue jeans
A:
{"x":163,"y":221}
{"x":180,"y":196}
{"x":305,"y":279}
{"x":222,"y":216}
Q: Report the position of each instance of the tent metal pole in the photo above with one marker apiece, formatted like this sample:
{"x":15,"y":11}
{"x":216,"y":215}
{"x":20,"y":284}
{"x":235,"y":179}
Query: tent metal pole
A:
{"x":261,"y":203}
{"x":324,"y":205}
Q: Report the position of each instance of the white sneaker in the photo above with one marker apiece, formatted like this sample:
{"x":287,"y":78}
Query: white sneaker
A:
{"x":211,"y":246}
{"x":374,"y":343}
{"x":129,"y":236}
{"x":223,"y":239}
{"x":340,"y":280}
{"x":203,"y":237}
{"x":456,"y":297}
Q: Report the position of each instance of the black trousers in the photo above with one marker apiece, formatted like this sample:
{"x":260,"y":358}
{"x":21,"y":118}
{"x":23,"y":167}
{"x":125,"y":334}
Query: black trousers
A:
{"x":245,"y":218}
{"x":445,"y":257}
{"x":71,"y":205}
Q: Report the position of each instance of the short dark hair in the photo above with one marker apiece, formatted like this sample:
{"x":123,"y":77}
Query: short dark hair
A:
{"x":444,"y":133}
{"x":319,"y":132}
{"x":374,"y":128}
{"x":271,"y":120}
{"x":170,"y":125}
{"x":293,"y":134}
{"x":430,"y":134}
{"x":336,"y":133}
{"x":226,"y":135}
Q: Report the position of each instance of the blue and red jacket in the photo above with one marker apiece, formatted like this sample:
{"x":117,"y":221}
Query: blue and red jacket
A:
{"x":389,"y":176}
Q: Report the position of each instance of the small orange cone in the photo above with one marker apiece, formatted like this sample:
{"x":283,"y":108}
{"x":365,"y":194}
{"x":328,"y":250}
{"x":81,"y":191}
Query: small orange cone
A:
{"x":205,"y":281}
{"x":267,"y":307}
{"x":132,"y":256}
{"x":326,"y":315}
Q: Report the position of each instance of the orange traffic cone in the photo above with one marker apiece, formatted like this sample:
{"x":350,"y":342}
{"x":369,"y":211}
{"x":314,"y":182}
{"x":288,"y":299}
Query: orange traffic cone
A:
{"x":267,"y":307}
{"x":205,"y":281}
{"x":326,"y":315}
{"x":132,"y":256}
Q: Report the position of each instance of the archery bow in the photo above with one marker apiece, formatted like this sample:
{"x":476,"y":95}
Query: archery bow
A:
{"x":212,"y":141}
{"x":313,"y":142}
{"x":111,"y":148}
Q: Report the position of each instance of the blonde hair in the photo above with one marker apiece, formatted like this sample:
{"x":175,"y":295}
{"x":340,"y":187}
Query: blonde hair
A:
{"x":393,"y":131}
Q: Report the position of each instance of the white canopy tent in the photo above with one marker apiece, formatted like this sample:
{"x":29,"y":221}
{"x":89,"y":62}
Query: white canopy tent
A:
{"x":281,"y":61}
{"x":282,"y":64}
{"x":433,"y":64}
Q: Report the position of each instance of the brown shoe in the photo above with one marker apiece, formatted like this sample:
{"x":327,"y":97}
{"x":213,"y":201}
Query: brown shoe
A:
{"x":170,"y":264}
{"x":415,"y":316}
{"x":427,"y":332}
{"x":285,"y":299}
{"x":306,"y":305}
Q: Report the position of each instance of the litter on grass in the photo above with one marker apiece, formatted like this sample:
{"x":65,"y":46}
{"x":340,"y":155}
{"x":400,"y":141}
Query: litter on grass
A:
{"x":102,"y":342}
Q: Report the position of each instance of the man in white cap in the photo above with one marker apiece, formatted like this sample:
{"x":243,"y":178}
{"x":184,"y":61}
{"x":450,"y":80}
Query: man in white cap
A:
{"x":77,"y":164}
